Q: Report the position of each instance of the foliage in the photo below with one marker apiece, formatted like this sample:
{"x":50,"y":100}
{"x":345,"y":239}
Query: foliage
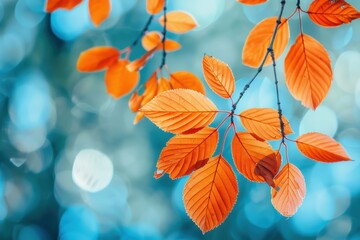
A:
{"x":179,"y":105}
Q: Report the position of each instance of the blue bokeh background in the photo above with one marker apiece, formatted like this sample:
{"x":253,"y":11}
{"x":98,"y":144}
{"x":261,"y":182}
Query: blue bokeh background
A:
{"x":50,"y":112}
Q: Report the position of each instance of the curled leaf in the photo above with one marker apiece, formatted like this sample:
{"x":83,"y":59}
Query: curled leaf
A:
{"x":135,"y":101}
{"x":151,"y":86}
{"x":150,"y":92}
{"x":210,"y":193}
{"x":254,"y":159}
{"x":97,"y":58}
{"x":138,"y":117}
{"x":321,"y":147}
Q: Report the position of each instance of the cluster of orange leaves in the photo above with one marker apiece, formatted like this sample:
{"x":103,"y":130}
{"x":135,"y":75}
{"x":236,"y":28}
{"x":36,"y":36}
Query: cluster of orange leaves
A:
{"x":211,"y":191}
{"x":179,"y":105}
{"x":122,"y":75}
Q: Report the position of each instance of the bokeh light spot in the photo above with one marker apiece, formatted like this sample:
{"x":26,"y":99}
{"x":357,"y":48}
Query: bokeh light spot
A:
{"x":214,"y":9}
{"x":92,"y":170}
{"x":322,"y":120}
{"x":68,"y":25}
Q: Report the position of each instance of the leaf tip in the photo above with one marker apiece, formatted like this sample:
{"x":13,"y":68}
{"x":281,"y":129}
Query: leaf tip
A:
{"x":158,"y":174}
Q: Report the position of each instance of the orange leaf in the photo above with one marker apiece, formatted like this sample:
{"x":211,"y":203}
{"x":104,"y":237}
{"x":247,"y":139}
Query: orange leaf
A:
{"x":210,"y":194}
{"x":258,"y":41}
{"x":290,"y":190}
{"x":99,"y":11}
{"x":119,"y":81}
{"x":264,"y":123}
{"x":186,"y":80}
{"x":186,"y":153}
{"x":178,"y":21}
{"x":153,"y":39}
{"x":150,"y":89}
{"x":252,"y":2}
{"x":254,"y":159}
{"x":308,"y":73}
{"x":158,"y":174}
{"x":97,"y":58}
{"x":170,"y":45}
{"x":154,"y":6}
{"x":138,"y":117}
{"x":328,"y":13}
{"x":52,"y":5}
{"x":321,"y":147}
{"x":219,"y":76}
{"x":135,"y":101}
{"x":163,"y":85}
{"x":137,"y":64}
{"x":150,"y":92}
{"x":180,"y":111}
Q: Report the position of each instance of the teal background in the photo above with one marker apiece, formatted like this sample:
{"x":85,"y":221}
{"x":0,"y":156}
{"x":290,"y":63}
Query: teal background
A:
{"x":50,"y":112}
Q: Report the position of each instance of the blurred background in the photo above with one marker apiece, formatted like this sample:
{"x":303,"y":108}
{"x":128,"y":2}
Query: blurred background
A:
{"x":73,"y":166}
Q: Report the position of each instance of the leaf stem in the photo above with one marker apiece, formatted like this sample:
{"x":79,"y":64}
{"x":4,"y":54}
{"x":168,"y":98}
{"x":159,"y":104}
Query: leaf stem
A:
{"x":146,"y":27}
{"x":163,"y":61}
{"x":286,"y":153}
{"x":222,"y":122}
{"x":300,"y":20}
{"x":224,"y":138}
{"x":270,"y":48}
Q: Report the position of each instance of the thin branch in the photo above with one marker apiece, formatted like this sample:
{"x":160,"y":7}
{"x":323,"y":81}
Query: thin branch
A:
{"x":278,"y":98}
{"x":163,"y":61}
{"x":270,"y":48}
{"x":146,"y":27}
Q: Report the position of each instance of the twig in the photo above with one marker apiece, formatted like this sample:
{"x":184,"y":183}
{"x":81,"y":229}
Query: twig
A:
{"x":146,"y":27}
{"x":270,"y":48}
{"x":163,"y":61}
{"x":278,"y":97}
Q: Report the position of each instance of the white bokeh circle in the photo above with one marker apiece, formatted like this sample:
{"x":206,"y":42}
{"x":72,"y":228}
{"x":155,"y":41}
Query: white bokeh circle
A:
{"x":92,"y":170}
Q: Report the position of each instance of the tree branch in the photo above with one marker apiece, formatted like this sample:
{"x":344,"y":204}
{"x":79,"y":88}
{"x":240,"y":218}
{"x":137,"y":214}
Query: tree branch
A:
{"x":163,"y":61}
{"x":269,"y":50}
{"x":146,"y":27}
{"x":282,"y":126}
